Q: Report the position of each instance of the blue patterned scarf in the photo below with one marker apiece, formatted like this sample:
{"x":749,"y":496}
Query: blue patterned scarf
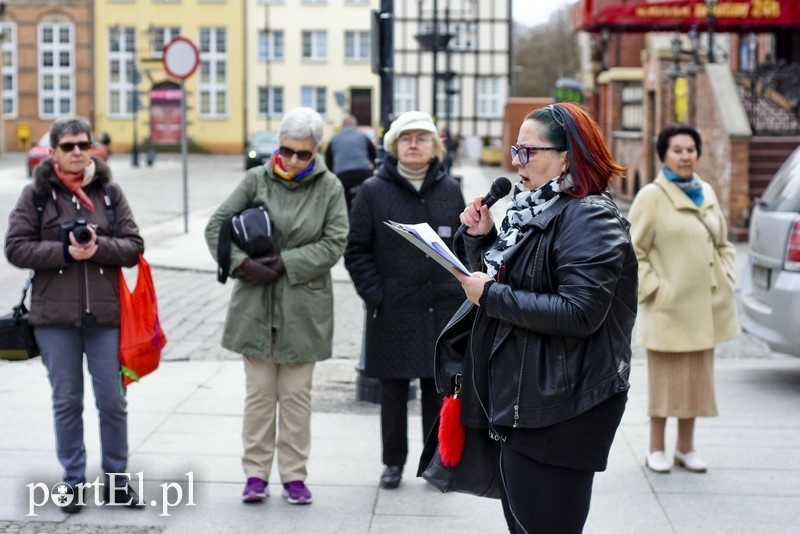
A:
{"x":692,"y":187}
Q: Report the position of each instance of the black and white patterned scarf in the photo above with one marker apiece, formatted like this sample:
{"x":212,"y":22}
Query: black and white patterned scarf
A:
{"x":524,"y":206}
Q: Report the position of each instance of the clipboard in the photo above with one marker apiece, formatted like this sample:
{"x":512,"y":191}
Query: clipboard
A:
{"x":428,"y":241}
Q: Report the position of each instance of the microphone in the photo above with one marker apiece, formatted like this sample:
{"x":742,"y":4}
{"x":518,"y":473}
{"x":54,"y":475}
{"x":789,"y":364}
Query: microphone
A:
{"x":500,"y":188}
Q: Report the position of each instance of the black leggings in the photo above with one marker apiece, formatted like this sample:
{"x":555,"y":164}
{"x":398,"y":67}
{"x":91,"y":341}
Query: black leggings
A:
{"x":544,"y":498}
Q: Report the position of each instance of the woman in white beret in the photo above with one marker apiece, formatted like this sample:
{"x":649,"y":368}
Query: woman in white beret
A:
{"x":408,"y":296}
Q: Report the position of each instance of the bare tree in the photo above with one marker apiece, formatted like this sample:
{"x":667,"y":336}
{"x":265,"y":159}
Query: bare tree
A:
{"x":543,"y":54}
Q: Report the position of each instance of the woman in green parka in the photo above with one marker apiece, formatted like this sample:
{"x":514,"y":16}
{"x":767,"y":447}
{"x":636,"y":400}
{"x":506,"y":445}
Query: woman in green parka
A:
{"x":280,"y":317}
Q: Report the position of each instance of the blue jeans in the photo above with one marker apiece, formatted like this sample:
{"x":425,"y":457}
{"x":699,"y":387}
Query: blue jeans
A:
{"x":62,"y":350}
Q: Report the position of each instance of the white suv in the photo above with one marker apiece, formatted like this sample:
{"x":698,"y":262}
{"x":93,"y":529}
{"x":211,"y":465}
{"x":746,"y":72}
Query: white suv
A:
{"x":771,"y":281}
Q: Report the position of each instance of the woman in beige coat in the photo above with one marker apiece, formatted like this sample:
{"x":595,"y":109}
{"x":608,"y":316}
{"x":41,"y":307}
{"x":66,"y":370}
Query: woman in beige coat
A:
{"x":686,"y":293}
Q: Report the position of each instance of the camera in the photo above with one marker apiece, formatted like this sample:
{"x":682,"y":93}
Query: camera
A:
{"x":78,"y":227}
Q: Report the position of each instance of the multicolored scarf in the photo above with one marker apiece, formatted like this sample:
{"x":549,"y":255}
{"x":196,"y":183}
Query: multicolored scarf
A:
{"x":692,"y":187}
{"x":76,"y":181}
{"x":524,"y":206}
{"x":277,"y":168}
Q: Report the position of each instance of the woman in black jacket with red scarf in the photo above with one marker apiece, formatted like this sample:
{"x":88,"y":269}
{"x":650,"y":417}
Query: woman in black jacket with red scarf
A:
{"x":548,"y":360}
{"x":408,"y":296}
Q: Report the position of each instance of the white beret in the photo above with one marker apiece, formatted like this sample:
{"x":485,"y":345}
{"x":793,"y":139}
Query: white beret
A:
{"x":406,"y":122}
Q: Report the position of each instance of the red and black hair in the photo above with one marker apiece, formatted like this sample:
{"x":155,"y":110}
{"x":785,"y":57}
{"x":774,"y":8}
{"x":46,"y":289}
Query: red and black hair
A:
{"x":591,"y":165}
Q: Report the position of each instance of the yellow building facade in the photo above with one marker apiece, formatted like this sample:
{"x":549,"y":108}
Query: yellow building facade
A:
{"x":310,"y":53}
{"x":130,"y":37}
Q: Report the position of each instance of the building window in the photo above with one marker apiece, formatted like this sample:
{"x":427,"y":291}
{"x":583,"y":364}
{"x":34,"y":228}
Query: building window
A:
{"x":313,"y":97}
{"x":489,"y":98}
{"x":213,"y":73}
{"x":405,"y":94}
{"x":121,"y":54}
{"x":315,"y":45}
{"x":270,"y":101}
{"x":56,"y":61}
{"x":632,"y":110}
{"x":356,"y":46}
{"x":8,"y":48}
{"x":447,"y":105}
{"x":270,"y":45}
{"x":465,"y":37}
{"x":160,"y":36}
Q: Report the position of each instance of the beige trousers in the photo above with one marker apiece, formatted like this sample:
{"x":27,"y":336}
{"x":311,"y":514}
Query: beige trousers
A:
{"x":269,"y":384}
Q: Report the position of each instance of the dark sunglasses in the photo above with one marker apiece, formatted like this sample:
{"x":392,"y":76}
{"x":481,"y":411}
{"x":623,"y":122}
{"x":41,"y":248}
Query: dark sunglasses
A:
{"x":302,"y":155}
{"x":69,"y":147}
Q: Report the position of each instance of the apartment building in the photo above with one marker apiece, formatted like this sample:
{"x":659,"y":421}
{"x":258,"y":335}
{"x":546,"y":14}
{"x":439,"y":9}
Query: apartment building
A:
{"x":138,"y":102}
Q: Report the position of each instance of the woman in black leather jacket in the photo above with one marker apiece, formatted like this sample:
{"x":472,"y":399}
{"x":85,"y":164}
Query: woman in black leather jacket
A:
{"x":547,"y":364}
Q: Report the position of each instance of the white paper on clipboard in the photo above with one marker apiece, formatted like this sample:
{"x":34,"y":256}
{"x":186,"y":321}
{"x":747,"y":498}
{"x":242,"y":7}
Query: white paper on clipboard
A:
{"x":428,"y":241}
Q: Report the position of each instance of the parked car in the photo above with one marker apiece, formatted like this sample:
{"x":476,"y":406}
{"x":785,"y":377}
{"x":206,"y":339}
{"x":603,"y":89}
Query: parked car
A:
{"x":771,"y":281}
{"x":41,"y":150}
{"x":259,"y":148}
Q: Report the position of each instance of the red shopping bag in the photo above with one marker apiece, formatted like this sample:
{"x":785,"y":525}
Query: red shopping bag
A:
{"x":140,"y":335}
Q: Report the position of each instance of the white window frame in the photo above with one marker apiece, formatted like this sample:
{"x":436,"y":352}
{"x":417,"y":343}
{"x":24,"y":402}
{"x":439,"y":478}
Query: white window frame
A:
{"x":488,"y":102}
{"x":271,"y":45}
{"x":275,"y":101}
{"x":357,"y":46}
{"x":9,"y":48}
{"x":465,"y":37}
{"x":441,"y":99}
{"x":405,"y":94}
{"x":121,"y":51}
{"x":315,"y":97}
{"x":56,"y":94}
{"x":160,"y":36}
{"x":213,"y":83}
{"x":314,"y":45}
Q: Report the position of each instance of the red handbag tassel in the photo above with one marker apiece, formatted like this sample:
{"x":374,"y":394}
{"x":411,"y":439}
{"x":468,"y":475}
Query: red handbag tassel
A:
{"x":451,"y":431}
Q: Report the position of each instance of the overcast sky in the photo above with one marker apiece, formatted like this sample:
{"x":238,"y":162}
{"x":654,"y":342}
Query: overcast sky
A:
{"x":533,"y":12}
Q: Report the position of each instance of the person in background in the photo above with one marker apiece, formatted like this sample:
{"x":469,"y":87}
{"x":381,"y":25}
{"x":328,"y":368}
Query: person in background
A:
{"x":76,"y":245}
{"x":280,"y":317}
{"x":548,"y":360}
{"x":408,"y":296}
{"x":351,"y":155}
{"x":686,"y":294}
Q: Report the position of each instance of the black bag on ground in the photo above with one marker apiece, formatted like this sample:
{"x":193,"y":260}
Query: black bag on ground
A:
{"x":16,"y":336}
{"x":250,"y":230}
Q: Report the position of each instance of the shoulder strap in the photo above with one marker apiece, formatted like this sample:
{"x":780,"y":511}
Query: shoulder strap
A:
{"x":699,"y":217}
{"x":39,"y":202}
{"x":224,"y":250}
{"x":111,"y":216}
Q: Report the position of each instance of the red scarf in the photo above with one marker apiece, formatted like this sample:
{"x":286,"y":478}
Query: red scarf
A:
{"x":74,"y":182}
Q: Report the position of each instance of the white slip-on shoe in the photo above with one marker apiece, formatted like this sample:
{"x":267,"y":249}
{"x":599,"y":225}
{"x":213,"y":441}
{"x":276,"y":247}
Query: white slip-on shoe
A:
{"x":690,"y":461}
{"x":657,"y":462}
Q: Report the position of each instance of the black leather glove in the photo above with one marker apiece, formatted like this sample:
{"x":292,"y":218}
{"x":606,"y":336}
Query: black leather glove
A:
{"x":262,"y":270}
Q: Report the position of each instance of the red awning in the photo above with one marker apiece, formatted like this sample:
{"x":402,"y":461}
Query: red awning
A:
{"x":732,"y":16}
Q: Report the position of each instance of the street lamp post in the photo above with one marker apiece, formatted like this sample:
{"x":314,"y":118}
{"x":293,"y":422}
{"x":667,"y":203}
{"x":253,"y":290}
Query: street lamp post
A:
{"x":710,"y":5}
{"x":134,"y":102}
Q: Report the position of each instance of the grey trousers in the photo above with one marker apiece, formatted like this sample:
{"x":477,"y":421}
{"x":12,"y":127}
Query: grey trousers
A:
{"x":62,"y":354}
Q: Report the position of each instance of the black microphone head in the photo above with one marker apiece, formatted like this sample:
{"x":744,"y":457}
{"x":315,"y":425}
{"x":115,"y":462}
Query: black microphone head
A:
{"x":500,"y":187}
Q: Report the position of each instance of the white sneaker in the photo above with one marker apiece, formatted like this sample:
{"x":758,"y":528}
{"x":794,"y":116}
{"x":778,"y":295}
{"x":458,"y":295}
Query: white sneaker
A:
{"x":690,"y":461}
{"x":657,"y":462}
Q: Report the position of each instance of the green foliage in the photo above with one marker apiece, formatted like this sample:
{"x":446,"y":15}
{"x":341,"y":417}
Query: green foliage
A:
{"x":543,"y":54}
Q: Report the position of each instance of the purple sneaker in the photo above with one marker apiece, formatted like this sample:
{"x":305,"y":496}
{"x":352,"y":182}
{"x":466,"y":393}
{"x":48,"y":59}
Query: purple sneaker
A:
{"x":296,"y":492}
{"x":255,"y":490}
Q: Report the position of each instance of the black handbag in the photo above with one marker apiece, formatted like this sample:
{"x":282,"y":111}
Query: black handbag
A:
{"x":477,"y":473}
{"x":478,"y":470}
{"x":250,"y":230}
{"x":16,"y":336}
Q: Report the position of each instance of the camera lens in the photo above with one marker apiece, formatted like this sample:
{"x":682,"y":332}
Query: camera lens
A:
{"x":82,"y":234}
